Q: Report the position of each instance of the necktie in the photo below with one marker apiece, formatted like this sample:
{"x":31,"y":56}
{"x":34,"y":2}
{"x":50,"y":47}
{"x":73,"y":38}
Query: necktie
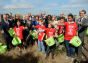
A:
{"x":80,"y":20}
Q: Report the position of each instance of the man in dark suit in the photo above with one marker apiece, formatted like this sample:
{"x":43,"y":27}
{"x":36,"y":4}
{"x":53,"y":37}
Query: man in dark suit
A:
{"x":5,"y":26}
{"x":82,"y":26}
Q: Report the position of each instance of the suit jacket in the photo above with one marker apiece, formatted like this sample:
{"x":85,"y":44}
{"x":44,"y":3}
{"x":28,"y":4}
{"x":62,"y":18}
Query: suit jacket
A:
{"x":82,"y":28}
{"x":5,"y":27}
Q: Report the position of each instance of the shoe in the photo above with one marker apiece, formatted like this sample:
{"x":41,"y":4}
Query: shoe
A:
{"x":52,"y":57}
{"x":8,"y":49}
{"x":72,"y":60}
{"x":46,"y":57}
{"x":67,"y":58}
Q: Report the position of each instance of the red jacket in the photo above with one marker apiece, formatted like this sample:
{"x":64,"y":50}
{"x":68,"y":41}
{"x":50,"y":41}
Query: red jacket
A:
{"x":70,"y":30}
{"x":40,"y":34}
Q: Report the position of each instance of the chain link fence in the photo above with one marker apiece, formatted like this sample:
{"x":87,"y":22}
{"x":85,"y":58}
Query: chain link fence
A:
{"x":52,"y":11}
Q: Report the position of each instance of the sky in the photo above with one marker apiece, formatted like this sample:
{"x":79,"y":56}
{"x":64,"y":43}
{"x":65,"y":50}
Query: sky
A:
{"x":37,"y":6}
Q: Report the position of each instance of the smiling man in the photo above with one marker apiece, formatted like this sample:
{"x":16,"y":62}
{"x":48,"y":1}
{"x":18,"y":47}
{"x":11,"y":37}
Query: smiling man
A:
{"x":82,"y":26}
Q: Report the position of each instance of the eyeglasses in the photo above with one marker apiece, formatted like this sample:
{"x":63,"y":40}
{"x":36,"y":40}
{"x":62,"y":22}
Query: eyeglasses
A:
{"x":81,"y":13}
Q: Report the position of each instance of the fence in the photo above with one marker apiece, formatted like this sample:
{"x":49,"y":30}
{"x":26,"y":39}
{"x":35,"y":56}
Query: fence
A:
{"x":52,"y":11}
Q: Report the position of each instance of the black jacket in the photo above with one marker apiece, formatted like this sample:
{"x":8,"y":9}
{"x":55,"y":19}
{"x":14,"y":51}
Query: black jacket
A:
{"x":5,"y":27}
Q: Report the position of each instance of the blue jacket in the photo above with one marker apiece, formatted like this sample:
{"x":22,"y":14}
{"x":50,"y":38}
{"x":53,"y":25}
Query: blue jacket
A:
{"x":35,"y":23}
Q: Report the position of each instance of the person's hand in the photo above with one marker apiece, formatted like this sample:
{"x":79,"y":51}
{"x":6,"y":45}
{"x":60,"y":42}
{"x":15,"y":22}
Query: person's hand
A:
{"x":80,"y":23}
{"x":56,"y":35}
{"x":2,"y":32}
{"x":30,"y":31}
{"x":15,"y":34}
{"x":36,"y":32}
{"x":76,"y":33}
{"x":10,"y":28}
{"x":33,"y":26}
{"x":26,"y":27}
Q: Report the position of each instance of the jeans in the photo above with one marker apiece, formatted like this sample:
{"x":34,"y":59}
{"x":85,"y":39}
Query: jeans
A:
{"x":41,"y":46}
{"x":51,"y":49}
{"x":70,"y":49}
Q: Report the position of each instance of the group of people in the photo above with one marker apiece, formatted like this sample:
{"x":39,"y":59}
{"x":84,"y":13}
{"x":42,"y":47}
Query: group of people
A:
{"x":49,"y":25}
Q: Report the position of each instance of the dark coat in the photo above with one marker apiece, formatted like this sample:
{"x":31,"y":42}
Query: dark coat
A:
{"x":82,"y":28}
{"x":5,"y":27}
